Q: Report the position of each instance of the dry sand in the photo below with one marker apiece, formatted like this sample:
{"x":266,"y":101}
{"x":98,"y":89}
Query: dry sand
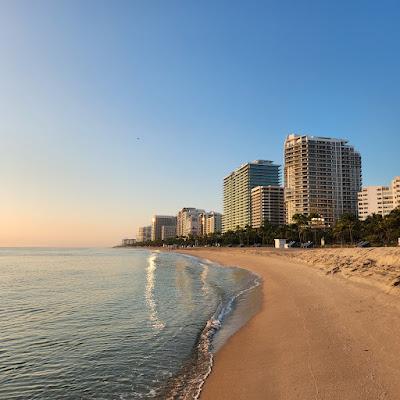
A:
{"x":318,"y":335}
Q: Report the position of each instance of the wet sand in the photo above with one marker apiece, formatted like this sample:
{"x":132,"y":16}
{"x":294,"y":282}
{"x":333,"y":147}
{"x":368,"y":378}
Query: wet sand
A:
{"x":317,"y":336}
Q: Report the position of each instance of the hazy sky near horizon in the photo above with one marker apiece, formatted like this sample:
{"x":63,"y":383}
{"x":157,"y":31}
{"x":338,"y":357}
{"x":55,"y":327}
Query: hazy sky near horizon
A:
{"x":205,"y":86}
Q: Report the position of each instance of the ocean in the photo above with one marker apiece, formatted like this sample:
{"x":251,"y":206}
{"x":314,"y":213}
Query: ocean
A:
{"x":115,"y":323}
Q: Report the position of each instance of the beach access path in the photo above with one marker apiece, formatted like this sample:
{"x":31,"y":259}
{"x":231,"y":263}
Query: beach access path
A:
{"x":316,"y":336}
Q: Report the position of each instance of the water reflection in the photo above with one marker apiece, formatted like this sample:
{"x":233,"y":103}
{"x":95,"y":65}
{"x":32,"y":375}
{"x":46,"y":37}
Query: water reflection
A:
{"x":203,"y":277}
{"x":149,"y":293}
{"x":184,"y":283}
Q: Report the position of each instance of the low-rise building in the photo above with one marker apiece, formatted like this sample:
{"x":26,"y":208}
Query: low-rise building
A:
{"x":128,"y":242}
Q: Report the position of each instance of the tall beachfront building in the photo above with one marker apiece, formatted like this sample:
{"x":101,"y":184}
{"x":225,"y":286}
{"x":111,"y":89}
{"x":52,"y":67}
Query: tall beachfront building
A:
{"x":267,"y":204}
{"x":322,"y":176}
{"x":379,"y":199}
{"x":158,"y":222}
{"x":237,"y":191}
{"x":144,"y":234}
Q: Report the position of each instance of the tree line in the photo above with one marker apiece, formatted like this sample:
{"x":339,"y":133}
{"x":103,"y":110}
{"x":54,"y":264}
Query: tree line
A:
{"x":348,"y":230}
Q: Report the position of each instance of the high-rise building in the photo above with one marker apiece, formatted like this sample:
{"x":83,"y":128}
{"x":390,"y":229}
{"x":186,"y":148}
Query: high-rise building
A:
{"x":158,"y":222}
{"x":379,"y":199}
{"x":237,"y":191}
{"x":189,"y":222}
{"x":374,"y":200}
{"x":168,"y":232}
{"x":144,"y":234}
{"x":210,"y":222}
{"x":322,"y":176}
{"x":267,"y":204}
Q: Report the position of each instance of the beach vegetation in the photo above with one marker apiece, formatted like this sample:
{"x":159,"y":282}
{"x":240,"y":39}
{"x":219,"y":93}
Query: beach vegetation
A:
{"x":348,"y":230}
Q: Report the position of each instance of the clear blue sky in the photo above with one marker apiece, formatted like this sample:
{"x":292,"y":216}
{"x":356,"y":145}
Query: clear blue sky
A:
{"x":205,"y":85}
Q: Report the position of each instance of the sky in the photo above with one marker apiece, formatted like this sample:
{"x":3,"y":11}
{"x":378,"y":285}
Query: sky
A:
{"x":112,"y":111}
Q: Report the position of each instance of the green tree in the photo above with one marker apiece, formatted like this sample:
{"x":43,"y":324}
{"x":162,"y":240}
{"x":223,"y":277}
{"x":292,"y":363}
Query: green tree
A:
{"x":347,"y":225}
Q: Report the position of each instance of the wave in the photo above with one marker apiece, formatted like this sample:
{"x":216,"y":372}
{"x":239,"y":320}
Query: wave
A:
{"x":188,"y":383}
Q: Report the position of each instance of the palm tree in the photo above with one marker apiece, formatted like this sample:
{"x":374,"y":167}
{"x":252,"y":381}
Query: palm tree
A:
{"x":347,"y":223}
{"x":301,"y":221}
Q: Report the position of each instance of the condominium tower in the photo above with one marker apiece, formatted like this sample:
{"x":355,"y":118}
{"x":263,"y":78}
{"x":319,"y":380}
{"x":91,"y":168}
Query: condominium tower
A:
{"x":267,"y":204}
{"x":237,"y":191}
{"x":322,"y":176}
{"x":158,"y":222}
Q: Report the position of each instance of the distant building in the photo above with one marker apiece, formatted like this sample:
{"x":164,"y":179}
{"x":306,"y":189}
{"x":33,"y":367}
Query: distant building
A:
{"x":180,"y":219}
{"x":214,"y":223}
{"x":158,"y":222}
{"x":267,"y":203}
{"x":128,"y":242}
{"x":168,"y":232}
{"x":237,"y":191}
{"x":189,"y":222}
{"x":322,"y":176}
{"x":379,"y":199}
{"x":144,"y":234}
{"x":210,"y":222}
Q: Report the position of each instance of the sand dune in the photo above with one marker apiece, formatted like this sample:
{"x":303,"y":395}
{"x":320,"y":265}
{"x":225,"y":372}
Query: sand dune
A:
{"x":375,"y":266}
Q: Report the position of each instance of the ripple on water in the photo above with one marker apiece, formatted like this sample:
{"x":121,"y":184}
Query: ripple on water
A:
{"x":107,"y":324}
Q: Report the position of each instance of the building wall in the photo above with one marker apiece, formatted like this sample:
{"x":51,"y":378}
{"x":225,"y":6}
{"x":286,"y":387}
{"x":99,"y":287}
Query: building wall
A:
{"x":128,"y":242}
{"x":322,"y":176}
{"x":144,"y":234}
{"x":168,"y":232}
{"x":375,"y":200}
{"x":379,"y":199}
{"x":396,"y":191}
{"x":158,"y":222}
{"x":181,"y":220}
{"x":189,"y":222}
{"x":213,"y":223}
{"x":237,"y":191}
{"x":267,"y":203}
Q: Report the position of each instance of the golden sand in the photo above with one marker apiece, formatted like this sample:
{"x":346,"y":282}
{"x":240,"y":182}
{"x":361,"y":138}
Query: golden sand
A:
{"x":318,"y":335}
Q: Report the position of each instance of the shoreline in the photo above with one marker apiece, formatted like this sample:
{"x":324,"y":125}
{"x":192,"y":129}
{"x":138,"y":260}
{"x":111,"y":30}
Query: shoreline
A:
{"x":315,"y":336}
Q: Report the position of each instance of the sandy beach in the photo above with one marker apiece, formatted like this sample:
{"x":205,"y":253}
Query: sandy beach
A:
{"x":321,"y":334}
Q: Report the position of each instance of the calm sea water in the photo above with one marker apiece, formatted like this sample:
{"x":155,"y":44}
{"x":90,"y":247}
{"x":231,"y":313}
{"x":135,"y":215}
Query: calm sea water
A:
{"x":114,"y":323}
